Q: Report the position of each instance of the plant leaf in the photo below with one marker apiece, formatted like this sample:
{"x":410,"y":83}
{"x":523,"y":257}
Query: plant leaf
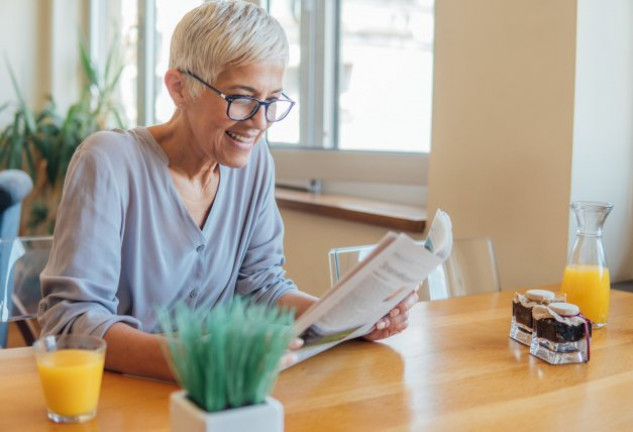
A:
{"x":90,"y":71}
{"x":28,"y":114}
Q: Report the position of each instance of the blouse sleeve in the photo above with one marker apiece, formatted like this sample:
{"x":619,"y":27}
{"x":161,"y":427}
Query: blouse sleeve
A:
{"x":262,"y":276}
{"x":80,"y":281}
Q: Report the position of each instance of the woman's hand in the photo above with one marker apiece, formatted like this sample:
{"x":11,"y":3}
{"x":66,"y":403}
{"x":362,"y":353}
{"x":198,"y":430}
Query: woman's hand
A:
{"x":290,"y":357}
{"x":395,"y":321}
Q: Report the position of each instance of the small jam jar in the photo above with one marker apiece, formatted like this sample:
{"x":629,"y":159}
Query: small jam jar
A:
{"x":521,"y":326}
{"x":561,"y":334}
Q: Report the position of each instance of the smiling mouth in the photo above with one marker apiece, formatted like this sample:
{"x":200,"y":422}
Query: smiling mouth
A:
{"x":240,"y":138}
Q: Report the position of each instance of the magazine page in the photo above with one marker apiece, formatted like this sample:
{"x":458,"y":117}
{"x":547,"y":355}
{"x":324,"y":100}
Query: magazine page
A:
{"x":440,"y":237}
{"x":387,"y":276}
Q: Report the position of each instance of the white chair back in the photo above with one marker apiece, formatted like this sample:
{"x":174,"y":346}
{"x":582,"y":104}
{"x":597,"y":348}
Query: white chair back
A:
{"x":471,"y":268}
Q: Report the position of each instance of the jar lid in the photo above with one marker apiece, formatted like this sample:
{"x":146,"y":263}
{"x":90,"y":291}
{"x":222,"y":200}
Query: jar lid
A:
{"x":564,"y":309}
{"x":539,"y":295}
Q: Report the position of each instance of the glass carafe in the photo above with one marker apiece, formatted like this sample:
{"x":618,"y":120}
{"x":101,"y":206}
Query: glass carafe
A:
{"x":586,"y":280}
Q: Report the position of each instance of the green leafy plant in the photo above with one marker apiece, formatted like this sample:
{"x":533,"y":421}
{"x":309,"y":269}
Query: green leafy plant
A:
{"x":42,"y":142}
{"x":227,"y":357}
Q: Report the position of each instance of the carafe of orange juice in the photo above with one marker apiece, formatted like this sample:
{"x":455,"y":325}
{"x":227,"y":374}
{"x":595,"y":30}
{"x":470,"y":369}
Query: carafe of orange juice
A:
{"x":586,"y":279}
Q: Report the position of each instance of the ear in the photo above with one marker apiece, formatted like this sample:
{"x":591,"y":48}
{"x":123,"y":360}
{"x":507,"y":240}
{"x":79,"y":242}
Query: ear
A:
{"x":175,"y":83}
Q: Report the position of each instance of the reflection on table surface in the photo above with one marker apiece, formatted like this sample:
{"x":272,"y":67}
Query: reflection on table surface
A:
{"x":454,"y":369}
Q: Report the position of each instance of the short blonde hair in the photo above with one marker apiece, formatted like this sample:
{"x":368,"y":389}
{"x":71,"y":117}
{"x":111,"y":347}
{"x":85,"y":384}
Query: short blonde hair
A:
{"x":225,"y":33}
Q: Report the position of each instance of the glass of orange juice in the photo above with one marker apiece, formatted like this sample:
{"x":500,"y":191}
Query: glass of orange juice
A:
{"x":70,"y":369}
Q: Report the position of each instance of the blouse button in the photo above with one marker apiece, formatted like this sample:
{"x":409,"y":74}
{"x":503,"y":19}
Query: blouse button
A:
{"x":200,"y":248}
{"x":193,"y":294}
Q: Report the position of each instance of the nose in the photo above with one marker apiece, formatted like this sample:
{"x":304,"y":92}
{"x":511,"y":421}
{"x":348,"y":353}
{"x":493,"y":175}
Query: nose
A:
{"x":259,"y":119}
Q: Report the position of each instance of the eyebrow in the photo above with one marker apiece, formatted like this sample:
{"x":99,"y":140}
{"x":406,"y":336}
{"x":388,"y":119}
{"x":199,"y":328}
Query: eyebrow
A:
{"x":251,"y":89}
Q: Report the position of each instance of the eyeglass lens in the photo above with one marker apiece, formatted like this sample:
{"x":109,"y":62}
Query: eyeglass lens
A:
{"x":242,"y":109}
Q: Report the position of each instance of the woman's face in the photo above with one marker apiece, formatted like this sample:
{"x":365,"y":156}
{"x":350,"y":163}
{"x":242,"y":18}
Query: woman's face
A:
{"x":215,"y":135}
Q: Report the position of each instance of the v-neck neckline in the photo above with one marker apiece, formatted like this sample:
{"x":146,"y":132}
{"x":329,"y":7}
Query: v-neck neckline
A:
{"x":171,"y":187}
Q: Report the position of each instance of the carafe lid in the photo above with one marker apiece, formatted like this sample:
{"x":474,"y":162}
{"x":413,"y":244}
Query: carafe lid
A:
{"x":564,"y":309}
{"x":538,"y":295}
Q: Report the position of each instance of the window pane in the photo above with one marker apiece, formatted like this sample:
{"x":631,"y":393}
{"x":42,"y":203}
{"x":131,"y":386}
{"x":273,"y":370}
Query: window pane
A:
{"x":385,"y":75}
{"x":288,"y":13}
{"x":168,"y":13}
{"x":126,"y":30}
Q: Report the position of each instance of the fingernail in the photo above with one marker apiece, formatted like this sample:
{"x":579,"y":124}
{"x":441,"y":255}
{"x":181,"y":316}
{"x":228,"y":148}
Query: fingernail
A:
{"x":296,"y":344}
{"x":290,"y":359}
{"x":394,"y":312}
{"x":381,"y":325}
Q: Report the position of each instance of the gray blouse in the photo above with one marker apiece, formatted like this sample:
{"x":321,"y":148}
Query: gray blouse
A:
{"x":126,"y":246}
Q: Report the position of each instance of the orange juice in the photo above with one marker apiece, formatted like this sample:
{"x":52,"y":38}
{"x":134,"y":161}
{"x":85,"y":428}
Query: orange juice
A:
{"x":71,"y":379}
{"x":588,"y":287}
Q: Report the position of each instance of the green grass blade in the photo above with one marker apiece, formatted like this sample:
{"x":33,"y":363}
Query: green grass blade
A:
{"x":28,"y":114}
{"x":229,"y":356}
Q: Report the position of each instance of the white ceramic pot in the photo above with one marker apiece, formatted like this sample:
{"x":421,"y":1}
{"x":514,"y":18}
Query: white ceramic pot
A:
{"x":188,"y":417}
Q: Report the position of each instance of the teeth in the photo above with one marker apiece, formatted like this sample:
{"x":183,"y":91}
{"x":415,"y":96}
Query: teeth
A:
{"x":240,"y":138}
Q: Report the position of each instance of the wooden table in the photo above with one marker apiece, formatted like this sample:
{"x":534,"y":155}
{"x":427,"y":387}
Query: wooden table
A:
{"x":454,"y":369}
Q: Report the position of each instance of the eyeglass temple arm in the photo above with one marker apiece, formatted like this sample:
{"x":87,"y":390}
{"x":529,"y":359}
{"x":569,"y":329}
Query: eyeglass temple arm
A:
{"x":203,"y":82}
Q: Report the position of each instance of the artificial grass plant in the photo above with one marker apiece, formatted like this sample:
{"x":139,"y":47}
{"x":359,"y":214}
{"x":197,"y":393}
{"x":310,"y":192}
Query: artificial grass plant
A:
{"x":229,"y":356}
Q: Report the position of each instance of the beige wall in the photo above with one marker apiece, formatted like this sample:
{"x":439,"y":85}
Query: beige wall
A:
{"x":307,"y":243}
{"x":503,"y":129}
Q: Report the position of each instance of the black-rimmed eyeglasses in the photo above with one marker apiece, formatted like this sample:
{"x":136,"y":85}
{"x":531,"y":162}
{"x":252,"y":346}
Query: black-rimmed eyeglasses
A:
{"x":240,"y":108}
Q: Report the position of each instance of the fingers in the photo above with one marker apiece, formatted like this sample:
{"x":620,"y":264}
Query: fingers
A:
{"x":290,"y":357}
{"x":404,"y":306}
{"x":399,"y":323}
{"x":295,"y":344}
{"x":387,"y":327}
{"x":396,"y":321}
{"x":383,"y":323}
{"x":383,"y":334}
{"x":411,"y":300}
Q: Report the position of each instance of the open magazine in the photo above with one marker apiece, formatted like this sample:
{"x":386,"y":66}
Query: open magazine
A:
{"x":396,"y":266}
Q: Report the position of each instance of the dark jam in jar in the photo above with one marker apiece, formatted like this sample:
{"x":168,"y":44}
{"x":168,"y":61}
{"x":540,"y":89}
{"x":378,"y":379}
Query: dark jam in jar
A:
{"x":522,"y":305}
{"x":558,"y":332}
{"x":561,"y":335}
{"x":522,"y":314}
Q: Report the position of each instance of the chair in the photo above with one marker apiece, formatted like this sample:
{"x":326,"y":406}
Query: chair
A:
{"x":24,"y":259}
{"x":14,"y":186}
{"x":471,"y":268}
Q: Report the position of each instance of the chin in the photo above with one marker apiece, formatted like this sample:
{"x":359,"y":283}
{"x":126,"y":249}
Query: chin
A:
{"x":237,"y":161}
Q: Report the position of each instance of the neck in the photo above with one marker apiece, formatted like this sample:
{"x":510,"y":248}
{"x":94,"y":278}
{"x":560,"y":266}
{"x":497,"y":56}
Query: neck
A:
{"x":185,"y":160}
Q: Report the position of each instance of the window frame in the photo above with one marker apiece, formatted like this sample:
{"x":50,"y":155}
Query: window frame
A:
{"x":318,"y":156}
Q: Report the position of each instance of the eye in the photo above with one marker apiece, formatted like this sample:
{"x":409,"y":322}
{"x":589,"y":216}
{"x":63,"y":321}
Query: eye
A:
{"x":274,"y":98}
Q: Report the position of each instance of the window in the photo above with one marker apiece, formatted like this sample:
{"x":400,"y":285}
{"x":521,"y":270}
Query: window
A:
{"x":143,"y":28}
{"x":364,"y":63}
{"x":360,"y":71}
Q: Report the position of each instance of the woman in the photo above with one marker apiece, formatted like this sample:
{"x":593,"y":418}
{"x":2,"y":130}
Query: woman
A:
{"x":181,"y":211}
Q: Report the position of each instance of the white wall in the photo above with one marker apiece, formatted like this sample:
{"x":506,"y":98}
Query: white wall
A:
{"x":603,"y":126}
{"x":502,"y":129}
{"x":68,"y":19}
{"x":40,"y":42}
{"x":21,"y":36}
